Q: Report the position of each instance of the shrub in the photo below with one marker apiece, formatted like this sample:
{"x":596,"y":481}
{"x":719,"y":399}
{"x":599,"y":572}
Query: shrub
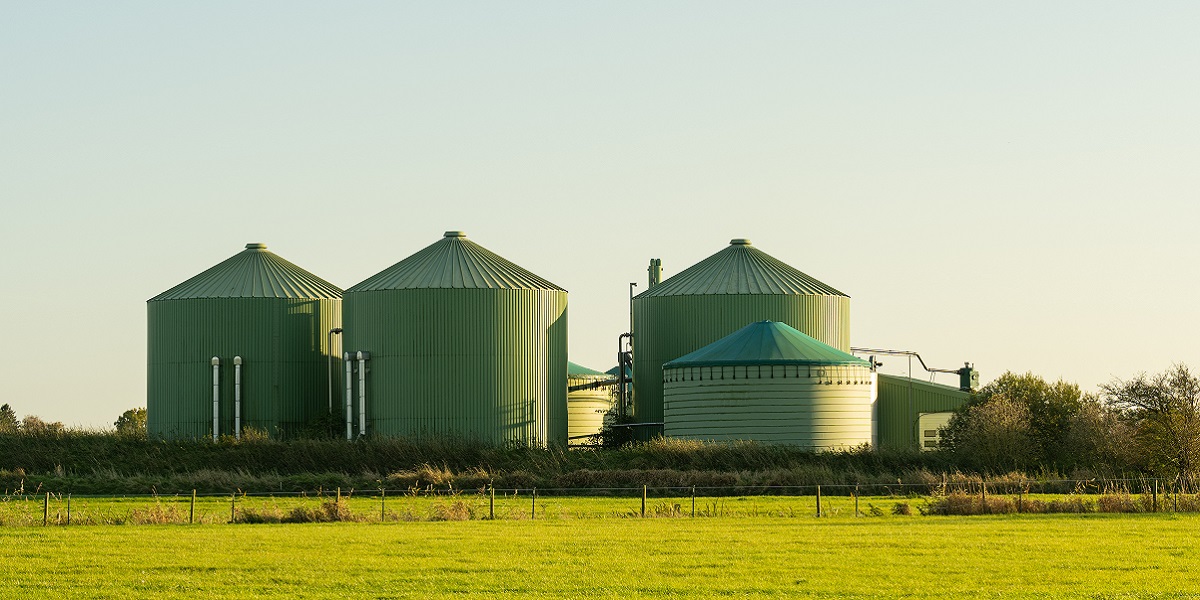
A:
{"x":902,"y":509}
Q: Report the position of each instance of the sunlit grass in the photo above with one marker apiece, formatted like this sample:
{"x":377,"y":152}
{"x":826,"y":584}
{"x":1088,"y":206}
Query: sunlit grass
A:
{"x":1091,"y":556}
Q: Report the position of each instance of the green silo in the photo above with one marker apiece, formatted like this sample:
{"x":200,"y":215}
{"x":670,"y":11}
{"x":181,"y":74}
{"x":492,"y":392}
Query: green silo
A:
{"x":265,"y":324}
{"x":457,"y":341}
{"x":768,"y":382}
{"x":717,"y":296}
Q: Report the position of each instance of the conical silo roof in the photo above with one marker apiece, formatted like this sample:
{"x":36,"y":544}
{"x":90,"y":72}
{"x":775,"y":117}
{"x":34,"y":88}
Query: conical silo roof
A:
{"x":740,"y":269}
{"x":766,"y":343}
{"x":253,"y":273}
{"x":577,"y":370}
{"x":454,"y":262}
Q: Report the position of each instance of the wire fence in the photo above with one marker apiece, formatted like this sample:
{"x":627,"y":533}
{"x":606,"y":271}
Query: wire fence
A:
{"x":433,"y":503}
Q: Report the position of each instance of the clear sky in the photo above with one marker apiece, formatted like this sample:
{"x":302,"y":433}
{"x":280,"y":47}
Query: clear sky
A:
{"x":1013,"y":184}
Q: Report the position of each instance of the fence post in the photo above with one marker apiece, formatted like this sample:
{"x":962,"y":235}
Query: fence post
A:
{"x":818,"y":501}
{"x":232,"y":507}
{"x":1020,"y":494}
{"x":983,"y":507}
{"x":339,"y":495}
{"x":46,"y":510}
{"x":68,"y":509}
{"x":492,"y":502}
{"x":643,"y":501}
{"x":693,"y":502}
{"x":382,"y":504}
{"x":856,"y":513}
{"x":1154,"y":498}
{"x":192,"y":510}
{"x":533,"y":507}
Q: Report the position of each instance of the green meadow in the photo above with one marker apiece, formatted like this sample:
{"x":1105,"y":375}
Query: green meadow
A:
{"x":1029,"y":556}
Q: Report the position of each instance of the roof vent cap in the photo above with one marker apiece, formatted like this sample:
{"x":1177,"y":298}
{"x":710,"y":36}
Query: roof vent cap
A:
{"x":740,"y":242}
{"x":256,"y":246}
{"x":456,"y":234}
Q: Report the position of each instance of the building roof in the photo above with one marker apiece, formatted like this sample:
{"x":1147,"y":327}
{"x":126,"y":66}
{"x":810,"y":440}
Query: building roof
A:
{"x":253,"y":273}
{"x":579,"y":370}
{"x":766,"y":343}
{"x":453,"y":262}
{"x":740,"y":269}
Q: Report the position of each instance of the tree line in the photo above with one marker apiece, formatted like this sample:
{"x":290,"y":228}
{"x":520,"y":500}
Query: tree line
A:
{"x":1147,"y":424}
{"x":131,"y":422}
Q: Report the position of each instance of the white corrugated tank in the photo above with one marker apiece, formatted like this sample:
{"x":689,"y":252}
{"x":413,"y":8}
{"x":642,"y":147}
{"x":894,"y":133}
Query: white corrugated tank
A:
{"x":591,"y":395}
{"x":768,"y":382}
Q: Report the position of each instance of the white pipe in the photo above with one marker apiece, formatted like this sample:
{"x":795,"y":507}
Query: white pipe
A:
{"x":349,"y":395}
{"x":216,"y":365}
{"x":363,"y":357}
{"x":237,"y":397}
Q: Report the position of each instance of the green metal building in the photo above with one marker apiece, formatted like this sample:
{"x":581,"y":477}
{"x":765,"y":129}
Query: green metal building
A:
{"x":455,"y":340}
{"x":247,"y":338}
{"x":717,"y":296}
{"x":769,"y":382}
{"x":904,"y":402}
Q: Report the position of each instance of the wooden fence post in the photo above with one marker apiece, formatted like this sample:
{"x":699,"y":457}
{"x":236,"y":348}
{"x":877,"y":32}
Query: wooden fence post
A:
{"x":818,"y":501}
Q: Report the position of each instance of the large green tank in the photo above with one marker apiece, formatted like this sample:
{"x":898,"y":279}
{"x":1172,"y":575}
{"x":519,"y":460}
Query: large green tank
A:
{"x":266,"y":324}
{"x":458,"y":341}
{"x":768,"y":382}
{"x":715,"y":297}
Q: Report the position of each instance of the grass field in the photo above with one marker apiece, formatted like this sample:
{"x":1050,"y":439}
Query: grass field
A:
{"x":1084,"y":556}
{"x":371,"y":507}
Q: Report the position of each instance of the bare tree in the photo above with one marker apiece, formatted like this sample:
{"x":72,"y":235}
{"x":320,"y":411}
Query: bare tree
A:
{"x":1166,"y":411}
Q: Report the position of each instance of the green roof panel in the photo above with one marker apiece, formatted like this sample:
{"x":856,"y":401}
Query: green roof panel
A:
{"x":454,"y":262}
{"x":575,"y":369}
{"x":740,"y":269}
{"x":766,"y":343}
{"x":253,"y":273}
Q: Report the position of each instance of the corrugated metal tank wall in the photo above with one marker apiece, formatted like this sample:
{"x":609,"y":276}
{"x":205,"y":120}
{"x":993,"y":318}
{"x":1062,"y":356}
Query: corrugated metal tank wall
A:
{"x":737,"y":286}
{"x":250,"y":306}
{"x":588,"y":408}
{"x":817,"y":407}
{"x":902,"y":400}
{"x":462,"y":343}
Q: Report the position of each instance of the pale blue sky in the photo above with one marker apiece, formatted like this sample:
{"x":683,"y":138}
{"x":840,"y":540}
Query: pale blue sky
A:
{"x":1012,"y":184}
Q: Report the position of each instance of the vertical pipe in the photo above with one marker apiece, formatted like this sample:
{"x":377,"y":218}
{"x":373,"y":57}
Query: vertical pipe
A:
{"x":363,"y":357}
{"x":216,"y":389}
{"x":349,"y":395}
{"x":329,"y":349}
{"x":237,"y":397}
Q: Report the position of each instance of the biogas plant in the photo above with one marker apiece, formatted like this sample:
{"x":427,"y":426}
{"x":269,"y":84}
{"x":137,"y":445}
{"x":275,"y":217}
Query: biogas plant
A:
{"x":457,"y":341}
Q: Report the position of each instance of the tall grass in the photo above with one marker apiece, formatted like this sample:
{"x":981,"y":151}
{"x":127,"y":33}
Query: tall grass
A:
{"x":107,"y":463}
